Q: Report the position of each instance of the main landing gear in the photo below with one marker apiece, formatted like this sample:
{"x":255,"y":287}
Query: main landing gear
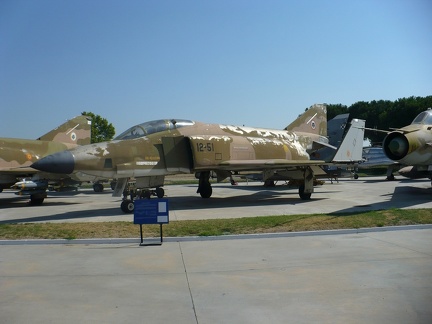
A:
{"x":128,"y":206}
{"x":204,"y":186}
{"x":305,"y":185}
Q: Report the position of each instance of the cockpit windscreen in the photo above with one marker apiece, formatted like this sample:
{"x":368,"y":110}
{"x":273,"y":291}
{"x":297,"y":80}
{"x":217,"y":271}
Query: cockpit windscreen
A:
{"x":152,"y":127}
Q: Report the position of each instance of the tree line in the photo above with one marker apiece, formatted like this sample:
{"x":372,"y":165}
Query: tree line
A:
{"x":383,"y":114}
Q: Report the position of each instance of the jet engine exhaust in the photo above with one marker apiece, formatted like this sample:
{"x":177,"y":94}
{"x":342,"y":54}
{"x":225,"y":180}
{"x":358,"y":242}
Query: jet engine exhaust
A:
{"x":396,"y":146}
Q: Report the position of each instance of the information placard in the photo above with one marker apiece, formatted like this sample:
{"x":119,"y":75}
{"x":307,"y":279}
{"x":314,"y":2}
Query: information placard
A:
{"x":151,"y":211}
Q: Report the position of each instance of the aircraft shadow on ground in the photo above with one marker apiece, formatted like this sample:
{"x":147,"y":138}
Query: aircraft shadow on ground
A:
{"x":259,"y":197}
{"x":81,"y":214}
{"x":401,"y":197}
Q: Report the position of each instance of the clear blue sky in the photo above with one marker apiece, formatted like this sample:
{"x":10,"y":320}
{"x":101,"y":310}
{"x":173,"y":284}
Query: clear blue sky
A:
{"x":245,"y":62}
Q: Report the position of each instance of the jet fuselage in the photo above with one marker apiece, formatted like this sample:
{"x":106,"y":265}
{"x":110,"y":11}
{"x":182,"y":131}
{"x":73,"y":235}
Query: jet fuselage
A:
{"x":186,"y":149}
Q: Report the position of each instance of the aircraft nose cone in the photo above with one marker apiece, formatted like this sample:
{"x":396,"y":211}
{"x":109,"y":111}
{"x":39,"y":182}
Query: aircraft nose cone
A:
{"x":61,"y":162}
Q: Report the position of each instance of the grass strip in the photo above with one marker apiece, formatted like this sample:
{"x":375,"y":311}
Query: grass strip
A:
{"x":215,"y":227}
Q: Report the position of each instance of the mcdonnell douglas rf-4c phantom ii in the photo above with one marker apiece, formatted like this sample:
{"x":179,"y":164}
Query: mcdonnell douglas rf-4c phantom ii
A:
{"x":16,"y":156}
{"x":150,"y":151}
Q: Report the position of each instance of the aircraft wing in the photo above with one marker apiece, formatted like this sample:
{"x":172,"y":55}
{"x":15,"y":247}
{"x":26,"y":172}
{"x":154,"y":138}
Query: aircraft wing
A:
{"x":404,"y":130}
{"x":377,"y":130}
{"x":319,"y":145}
{"x":18,"y":170}
{"x":251,"y":165}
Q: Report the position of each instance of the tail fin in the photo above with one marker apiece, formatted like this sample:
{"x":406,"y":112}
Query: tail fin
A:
{"x":351,"y":148}
{"x":75,"y":131}
{"x":336,"y":129}
{"x":312,"y":121}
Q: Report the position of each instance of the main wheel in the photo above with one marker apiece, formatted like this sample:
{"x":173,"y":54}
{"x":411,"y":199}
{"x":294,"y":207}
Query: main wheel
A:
{"x":160,"y":193}
{"x":98,"y":187}
{"x":127,"y":206}
{"x":204,"y":186}
{"x":302,"y":194}
{"x":146,"y":194}
{"x":36,"y":201}
{"x":206,"y":191}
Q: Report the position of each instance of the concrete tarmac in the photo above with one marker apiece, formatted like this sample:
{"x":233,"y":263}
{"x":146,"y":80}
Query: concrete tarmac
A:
{"x":374,"y":277}
{"x":227,"y":201}
{"x":381,"y":277}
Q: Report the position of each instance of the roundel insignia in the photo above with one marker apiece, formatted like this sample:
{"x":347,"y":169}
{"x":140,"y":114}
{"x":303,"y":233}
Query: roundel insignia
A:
{"x":313,"y":125}
{"x":73,"y":137}
{"x":28,"y":156}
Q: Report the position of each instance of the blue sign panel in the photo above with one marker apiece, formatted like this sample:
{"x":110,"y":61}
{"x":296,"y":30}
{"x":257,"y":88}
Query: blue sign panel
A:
{"x":151,"y":211}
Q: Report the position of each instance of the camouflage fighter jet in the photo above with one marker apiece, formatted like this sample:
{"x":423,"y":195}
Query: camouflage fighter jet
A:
{"x":412,"y":145}
{"x":150,"y":151}
{"x":17,"y":155}
{"x":409,"y":148}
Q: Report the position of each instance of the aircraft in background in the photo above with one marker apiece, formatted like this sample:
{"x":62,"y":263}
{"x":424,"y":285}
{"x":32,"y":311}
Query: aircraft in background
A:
{"x":347,"y":152}
{"x":150,"y":151}
{"x":374,"y":158}
{"x":410,"y":147}
{"x":17,"y":156}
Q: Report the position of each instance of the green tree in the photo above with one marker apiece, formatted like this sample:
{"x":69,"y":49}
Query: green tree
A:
{"x":334,"y":110}
{"x":102,"y":130}
{"x":383,"y":114}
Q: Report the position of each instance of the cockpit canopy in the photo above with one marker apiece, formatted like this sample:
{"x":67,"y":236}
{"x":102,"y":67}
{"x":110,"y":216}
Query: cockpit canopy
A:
{"x":153,"y":126}
{"x":424,"y":118}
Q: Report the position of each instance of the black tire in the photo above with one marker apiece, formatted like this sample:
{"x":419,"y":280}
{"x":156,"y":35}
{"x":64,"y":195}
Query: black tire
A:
{"x":206,"y":191}
{"x":302,"y":194}
{"x":146,"y":194}
{"x":160,"y":192}
{"x":98,"y":187}
{"x":127,"y":206}
{"x":269,"y":183}
{"x":36,"y":201}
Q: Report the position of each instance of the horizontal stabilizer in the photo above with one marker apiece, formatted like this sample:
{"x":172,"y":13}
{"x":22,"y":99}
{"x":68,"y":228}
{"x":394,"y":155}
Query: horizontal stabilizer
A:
{"x":319,"y":145}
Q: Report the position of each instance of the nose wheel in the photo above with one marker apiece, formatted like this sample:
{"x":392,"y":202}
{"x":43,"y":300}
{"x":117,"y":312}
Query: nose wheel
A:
{"x":128,"y":206}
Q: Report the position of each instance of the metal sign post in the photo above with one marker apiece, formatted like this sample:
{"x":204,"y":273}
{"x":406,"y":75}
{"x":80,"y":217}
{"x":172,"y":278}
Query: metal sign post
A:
{"x":151,"y":211}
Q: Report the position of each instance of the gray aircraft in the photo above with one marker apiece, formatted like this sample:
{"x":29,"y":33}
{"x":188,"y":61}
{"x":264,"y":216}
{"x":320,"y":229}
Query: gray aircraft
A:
{"x":374,"y":157}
